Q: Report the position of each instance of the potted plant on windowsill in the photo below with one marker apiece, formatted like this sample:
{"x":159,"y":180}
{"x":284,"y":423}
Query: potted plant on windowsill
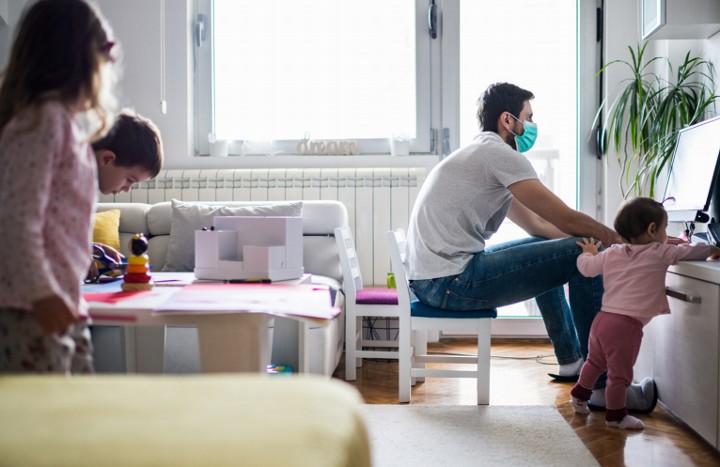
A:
{"x":647,"y":113}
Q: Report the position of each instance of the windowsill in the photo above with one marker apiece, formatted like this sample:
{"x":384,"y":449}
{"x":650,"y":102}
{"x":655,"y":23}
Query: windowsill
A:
{"x":296,"y":161}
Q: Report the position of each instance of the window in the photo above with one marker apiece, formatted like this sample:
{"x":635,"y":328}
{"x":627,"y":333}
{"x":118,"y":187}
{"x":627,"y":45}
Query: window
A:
{"x":272,"y":73}
{"x":535,"y":57}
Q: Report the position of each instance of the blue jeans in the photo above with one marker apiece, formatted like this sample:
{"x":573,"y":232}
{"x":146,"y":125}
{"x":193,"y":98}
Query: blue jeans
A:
{"x":515,"y":271}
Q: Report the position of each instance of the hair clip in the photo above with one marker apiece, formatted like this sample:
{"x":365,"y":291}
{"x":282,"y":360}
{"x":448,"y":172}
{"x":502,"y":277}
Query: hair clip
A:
{"x":105,"y":49}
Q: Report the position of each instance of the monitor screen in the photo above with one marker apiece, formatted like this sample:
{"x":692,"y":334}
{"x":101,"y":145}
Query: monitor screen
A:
{"x":693,"y":172}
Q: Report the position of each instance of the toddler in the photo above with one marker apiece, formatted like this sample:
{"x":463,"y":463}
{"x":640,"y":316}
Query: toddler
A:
{"x":634,"y":279}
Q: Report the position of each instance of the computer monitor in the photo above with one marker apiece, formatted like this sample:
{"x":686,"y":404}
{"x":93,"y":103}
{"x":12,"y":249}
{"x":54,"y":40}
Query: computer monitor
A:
{"x":693,"y":176}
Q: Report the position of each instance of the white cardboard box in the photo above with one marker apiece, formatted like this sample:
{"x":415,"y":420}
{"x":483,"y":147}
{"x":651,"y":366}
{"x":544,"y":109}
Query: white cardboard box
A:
{"x":242,"y":247}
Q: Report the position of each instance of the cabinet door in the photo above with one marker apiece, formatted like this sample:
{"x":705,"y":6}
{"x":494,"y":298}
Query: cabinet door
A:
{"x":686,"y":355}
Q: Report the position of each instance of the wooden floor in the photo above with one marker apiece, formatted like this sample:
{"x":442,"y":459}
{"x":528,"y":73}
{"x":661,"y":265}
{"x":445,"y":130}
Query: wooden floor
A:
{"x":519,"y":370}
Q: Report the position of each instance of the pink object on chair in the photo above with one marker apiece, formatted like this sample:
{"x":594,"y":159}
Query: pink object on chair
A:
{"x":376,"y":296}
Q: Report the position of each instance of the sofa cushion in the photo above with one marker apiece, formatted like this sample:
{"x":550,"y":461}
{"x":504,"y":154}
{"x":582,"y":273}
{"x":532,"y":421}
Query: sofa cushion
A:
{"x":106,"y":228}
{"x":186,"y":218}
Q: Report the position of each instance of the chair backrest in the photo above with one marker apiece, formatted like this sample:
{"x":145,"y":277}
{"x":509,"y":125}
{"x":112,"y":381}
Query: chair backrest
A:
{"x":397,"y":244}
{"x":352,"y":279}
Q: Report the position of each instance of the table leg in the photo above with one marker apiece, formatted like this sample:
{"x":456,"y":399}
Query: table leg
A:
{"x":144,"y":348}
{"x":234,"y":342}
{"x":303,"y":347}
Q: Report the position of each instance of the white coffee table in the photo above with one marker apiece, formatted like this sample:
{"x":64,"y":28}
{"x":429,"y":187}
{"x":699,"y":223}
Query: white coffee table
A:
{"x":230,"y":340}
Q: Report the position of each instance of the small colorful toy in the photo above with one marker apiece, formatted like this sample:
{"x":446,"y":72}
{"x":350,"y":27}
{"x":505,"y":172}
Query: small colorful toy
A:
{"x":279,"y":369}
{"x":137,"y":275}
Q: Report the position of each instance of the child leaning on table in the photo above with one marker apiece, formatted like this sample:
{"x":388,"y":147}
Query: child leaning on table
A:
{"x":55,"y":97}
{"x":634,"y":278}
{"x":131,"y":152}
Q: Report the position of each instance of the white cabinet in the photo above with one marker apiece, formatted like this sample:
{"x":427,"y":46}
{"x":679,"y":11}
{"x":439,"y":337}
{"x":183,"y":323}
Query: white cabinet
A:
{"x":681,"y":352}
{"x":679,"y":19}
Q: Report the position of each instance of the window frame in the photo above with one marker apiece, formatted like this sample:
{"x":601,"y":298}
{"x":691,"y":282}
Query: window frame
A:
{"x":202,"y":57}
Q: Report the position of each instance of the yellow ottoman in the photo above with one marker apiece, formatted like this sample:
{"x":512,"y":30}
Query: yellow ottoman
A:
{"x":238,"y":420}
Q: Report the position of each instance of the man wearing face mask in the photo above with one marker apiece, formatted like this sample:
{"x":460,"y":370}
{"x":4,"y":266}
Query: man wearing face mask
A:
{"x":463,"y":202}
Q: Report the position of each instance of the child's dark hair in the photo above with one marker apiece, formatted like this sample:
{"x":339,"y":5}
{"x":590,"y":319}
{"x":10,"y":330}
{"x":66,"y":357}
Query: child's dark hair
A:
{"x":58,"y":52}
{"x":636,"y":214}
{"x":499,"y":98}
{"x":136,"y":142}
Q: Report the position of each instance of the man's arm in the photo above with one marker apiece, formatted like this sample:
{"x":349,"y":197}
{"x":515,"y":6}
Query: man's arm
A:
{"x":531,"y":222}
{"x":543,"y":202}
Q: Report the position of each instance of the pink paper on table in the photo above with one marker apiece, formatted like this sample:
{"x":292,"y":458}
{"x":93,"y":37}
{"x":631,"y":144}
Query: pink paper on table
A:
{"x":300,"y":300}
{"x":113,"y":297}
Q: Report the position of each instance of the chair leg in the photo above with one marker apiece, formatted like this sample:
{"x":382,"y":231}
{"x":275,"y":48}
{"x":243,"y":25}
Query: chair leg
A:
{"x":358,"y":339}
{"x":483,"y":366}
{"x":350,"y":346}
{"x":404,"y":362}
{"x":420,"y":339}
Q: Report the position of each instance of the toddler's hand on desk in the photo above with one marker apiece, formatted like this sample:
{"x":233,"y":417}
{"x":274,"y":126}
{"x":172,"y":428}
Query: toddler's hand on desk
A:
{"x":675,"y":240}
{"x":714,"y":253}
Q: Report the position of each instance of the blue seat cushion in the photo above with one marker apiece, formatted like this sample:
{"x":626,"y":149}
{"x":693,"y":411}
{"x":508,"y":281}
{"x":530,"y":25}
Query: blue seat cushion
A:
{"x":420,"y":310}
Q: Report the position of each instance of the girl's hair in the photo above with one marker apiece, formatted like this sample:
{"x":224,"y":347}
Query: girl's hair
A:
{"x":59,"y":53}
{"x":636,"y":215}
{"x":499,"y":98}
{"x":136,"y":142}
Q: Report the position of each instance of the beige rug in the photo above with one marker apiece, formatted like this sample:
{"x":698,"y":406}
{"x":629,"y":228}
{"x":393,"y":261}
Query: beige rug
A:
{"x":423,"y":435}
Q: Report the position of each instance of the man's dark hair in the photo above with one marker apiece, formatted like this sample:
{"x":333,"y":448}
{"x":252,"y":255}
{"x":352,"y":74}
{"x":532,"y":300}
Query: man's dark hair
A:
{"x":136,"y":142}
{"x":636,"y":215}
{"x":499,"y":98}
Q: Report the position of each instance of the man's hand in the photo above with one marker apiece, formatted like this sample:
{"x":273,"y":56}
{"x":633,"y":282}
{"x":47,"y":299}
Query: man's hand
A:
{"x":54,"y":314}
{"x":590,"y":246}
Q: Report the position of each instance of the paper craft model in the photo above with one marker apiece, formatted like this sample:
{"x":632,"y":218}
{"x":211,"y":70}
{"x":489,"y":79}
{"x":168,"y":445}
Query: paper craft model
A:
{"x":250,"y":248}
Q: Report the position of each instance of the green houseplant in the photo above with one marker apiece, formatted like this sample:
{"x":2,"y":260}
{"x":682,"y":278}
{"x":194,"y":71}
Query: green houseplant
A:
{"x":647,"y":113}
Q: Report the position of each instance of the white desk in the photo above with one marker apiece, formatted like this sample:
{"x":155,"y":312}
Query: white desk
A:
{"x":229,"y":341}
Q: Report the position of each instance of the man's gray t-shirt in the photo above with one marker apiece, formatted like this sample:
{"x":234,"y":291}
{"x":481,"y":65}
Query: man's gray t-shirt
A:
{"x":462,"y":204}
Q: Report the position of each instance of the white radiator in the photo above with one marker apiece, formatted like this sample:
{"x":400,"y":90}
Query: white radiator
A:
{"x":377,"y":199}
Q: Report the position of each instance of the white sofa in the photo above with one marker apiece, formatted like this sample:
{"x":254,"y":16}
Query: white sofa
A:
{"x":320,"y":257}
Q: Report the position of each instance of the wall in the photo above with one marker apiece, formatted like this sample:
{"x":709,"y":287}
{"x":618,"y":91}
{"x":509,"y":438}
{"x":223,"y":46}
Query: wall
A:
{"x":621,"y":30}
{"x":9,"y":13}
{"x":137,"y":24}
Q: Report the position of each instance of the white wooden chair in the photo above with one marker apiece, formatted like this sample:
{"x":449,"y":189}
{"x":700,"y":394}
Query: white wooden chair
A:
{"x":360,"y":301}
{"x":417,"y":318}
